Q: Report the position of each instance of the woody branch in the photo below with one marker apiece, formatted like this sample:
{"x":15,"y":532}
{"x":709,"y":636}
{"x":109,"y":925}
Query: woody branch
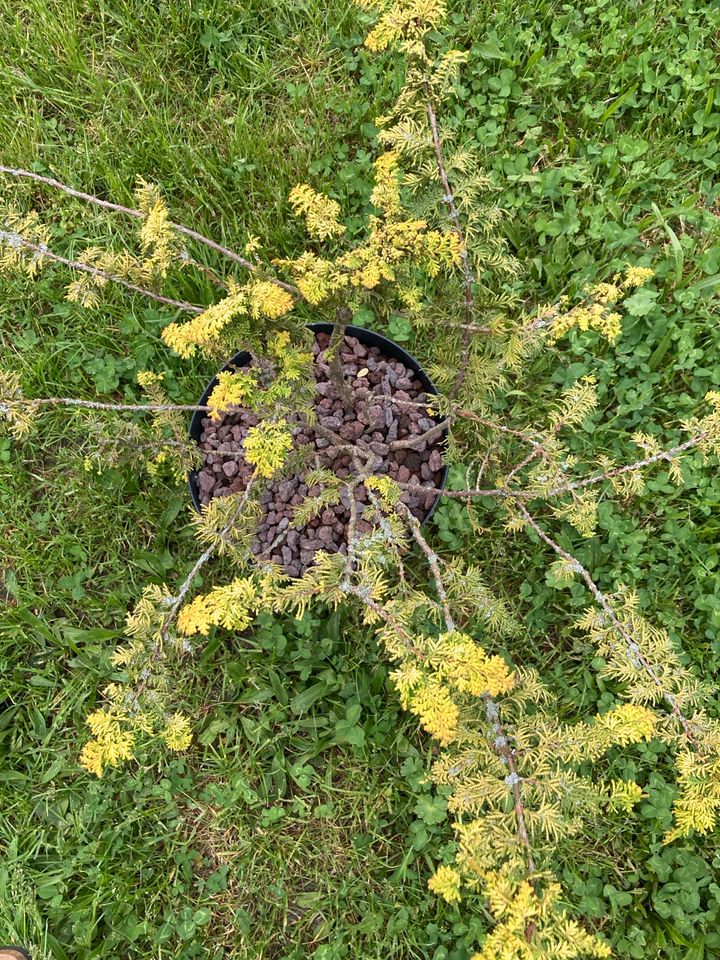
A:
{"x":138,"y":214}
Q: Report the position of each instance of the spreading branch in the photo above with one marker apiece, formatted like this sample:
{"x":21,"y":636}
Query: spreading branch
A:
{"x":499,"y":740}
{"x":42,"y":251}
{"x":138,"y":214}
{"x":468,"y":278}
{"x":632,"y":647}
{"x":663,"y":455}
{"x":337,"y":339}
{"x":412,"y":442}
{"x":433,"y":563}
{"x":179,"y":598}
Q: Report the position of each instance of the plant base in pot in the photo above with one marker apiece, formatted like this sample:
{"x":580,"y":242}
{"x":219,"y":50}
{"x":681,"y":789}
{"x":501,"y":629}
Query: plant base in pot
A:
{"x":388,"y":414}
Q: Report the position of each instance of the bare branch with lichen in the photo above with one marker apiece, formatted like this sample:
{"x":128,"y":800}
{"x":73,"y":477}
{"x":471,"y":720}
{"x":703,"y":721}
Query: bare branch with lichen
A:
{"x":42,"y":252}
{"x":133,"y":212}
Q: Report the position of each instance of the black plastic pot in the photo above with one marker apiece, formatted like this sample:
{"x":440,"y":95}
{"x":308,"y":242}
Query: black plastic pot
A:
{"x":371,"y":339}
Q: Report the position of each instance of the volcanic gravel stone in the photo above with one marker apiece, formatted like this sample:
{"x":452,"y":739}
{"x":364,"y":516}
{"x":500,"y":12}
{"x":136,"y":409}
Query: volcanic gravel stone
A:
{"x":389,"y":406}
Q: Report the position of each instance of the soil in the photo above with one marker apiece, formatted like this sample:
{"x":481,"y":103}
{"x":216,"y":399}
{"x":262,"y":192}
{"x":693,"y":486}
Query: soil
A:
{"x":389,"y":407}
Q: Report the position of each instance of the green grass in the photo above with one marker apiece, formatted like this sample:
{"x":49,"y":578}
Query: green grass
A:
{"x":299,"y":824}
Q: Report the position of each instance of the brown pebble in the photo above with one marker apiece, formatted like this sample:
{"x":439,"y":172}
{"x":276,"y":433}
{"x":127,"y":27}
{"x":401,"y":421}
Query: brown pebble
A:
{"x":331,"y":423}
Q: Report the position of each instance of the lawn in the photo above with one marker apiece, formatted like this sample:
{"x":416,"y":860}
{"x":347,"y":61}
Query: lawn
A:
{"x":300,"y":824}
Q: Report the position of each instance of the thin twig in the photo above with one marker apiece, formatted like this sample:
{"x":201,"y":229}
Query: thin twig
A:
{"x":40,"y":250}
{"x":138,"y":214}
{"x":500,"y":742}
{"x":432,"y":560}
{"x":268,"y":550}
{"x":124,"y":407}
{"x":499,"y":492}
{"x":494,"y":425}
{"x":603,"y":602}
{"x":410,"y":443}
{"x":381,"y":613}
{"x":536,"y":452}
{"x":474,"y":327}
{"x":668,"y":455}
{"x":354,"y":449}
{"x":501,"y":746}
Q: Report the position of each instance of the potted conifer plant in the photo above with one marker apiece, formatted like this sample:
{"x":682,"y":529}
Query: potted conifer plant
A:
{"x":316,"y":454}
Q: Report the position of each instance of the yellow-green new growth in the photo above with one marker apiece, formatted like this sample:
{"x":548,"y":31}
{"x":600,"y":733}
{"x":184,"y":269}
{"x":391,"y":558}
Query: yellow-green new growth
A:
{"x":267,"y":447}
{"x":403,"y":22}
{"x":256,"y":299}
{"x":231,"y":607}
{"x":320,"y":212}
{"x":158,"y":240}
{"x":245,"y":387}
{"x":597,"y":311}
{"x":531,"y":923}
{"x":445,"y":882}
{"x":112,"y":742}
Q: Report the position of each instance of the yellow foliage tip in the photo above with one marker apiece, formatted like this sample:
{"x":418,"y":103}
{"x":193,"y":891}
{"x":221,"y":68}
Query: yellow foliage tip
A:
{"x":252,"y":245}
{"x":158,"y":239}
{"x":267,"y":299}
{"x":446,"y":884}
{"x":517,"y":905}
{"x":177,"y":733}
{"x":389,"y":491}
{"x":438,"y":713}
{"x":267,"y":446}
{"x":147,"y":379}
{"x":91,"y":757}
{"x":112,"y":742}
{"x":629,"y":723}
{"x":232,"y":390}
{"x":204,"y":329}
{"x":407,"y":20}
{"x":386,"y":193}
{"x":624,"y":795}
{"x":697,"y":806}
{"x":466,"y":666}
{"x":320,"y":212}
{"x":637,"y":276}
{"x":230,"y":606}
